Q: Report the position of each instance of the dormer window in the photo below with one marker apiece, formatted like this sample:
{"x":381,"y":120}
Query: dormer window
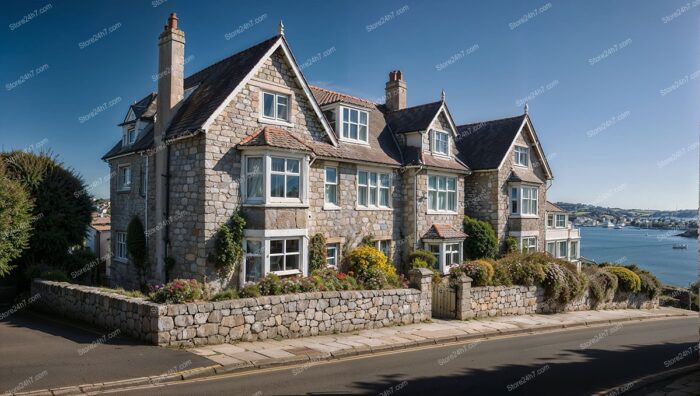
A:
{"x":522,"y":156}
{"x":131,"y":135}
{"x":354,"y":124}
{"x":275,"y":106}
{"x":440,"y":142}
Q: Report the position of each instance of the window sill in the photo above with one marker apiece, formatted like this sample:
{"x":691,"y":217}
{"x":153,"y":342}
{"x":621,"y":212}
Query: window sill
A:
{"x":522,"y":216}
{"x":297,"y":205}
{"x":121,"y":260}
{"x":441,"y":212}
{"x":372,"y":208}
{"x":264,"y":120}
{"x":351,"y":141}
{"x":331,"y":207}
{"x":440,"y":155}
{"x":521,"y":166}
{"x":123,"y":190}
{"x":286,"y":273}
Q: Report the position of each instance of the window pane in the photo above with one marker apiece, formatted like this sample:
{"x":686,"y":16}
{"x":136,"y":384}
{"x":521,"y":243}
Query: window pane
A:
{"x":292,"y":262}
{"x":442,"y":200}
{"x":282,"y":108}
{"x":432,"y":200}
{"x":292,"y":245}
{"x":276,"y":263}
{"x":362,"y":196}
{"x":353,"y":116}
{"x":331,"y":174}
{"x":432,"y":183}
{"x":384,"y":197}
{"x":278,"y":164}
{"x":330,"y":255}
{"x":363,"y":133}
{"x":441,"y":183}
{"x":293,"y":166}
{"x":331,"y":194}
{"x":277,"y":186}
{"x":451,"y":184}
{"x":346,"y":130}
{"x":254,"y":185}
{"x":363,"y":117}
{"x":268,"y":105}
{"x":353,"y":131}
{"x":362,"y":176}
{"x":253,"y":247}
{"x":292,"y":186}
{"x":253,"y":268}
{"x":276,"y":246}
{"x":384,"y":179}
{"x":451,"y":201}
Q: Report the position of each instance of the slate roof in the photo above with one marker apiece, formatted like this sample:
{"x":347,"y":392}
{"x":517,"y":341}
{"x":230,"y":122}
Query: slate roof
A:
{"x":550,"y":207}
{"x":144,"y":108}
{"x":416,"y":156}
{"x":413,"y":118}
{"x":523,"y":176}
{"x":274,"y":137}
{"x":443,"y":231}
{"x":483,"y":145}
{"x":143,"y":142}
{"x":214,"y":84}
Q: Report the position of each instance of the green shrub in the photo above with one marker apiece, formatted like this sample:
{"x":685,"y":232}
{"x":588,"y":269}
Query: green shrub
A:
{"x":123,"y":292}
{"x":270,"y":285}
{"x":249,"y":290}
{"x":561,"y":283}
{"x":136,"y":246}
{"x":501,"y":275}
{"x":424,"y":255}
{"x":511,"y":245}
{"x":482,"y":241}
{"x":372,"y":269}
{"x":420,"y":263}
{"x":15,"y":220}
{"x":317,"y":252}
{"x":481,"y":272}
{"x":179,"y":291}
{"x":649,"y":284}
{"x":55,"y":275}
{"x":228,"y":294}
{"x":601,"y":284}
{"x":525,"y":269}
{"x":627,"y":280}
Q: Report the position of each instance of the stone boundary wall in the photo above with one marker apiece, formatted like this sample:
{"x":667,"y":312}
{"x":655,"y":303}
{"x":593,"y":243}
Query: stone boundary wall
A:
{"x":246,"y":319}
{"x":488,"y":301}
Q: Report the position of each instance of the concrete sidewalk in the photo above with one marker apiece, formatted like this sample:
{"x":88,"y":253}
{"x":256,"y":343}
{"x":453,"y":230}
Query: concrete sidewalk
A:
{"x":244,"y":355}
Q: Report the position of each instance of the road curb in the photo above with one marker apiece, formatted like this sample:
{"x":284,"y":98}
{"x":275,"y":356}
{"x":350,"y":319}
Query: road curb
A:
{"x":640,"y":383}
{"x":215,"y":370}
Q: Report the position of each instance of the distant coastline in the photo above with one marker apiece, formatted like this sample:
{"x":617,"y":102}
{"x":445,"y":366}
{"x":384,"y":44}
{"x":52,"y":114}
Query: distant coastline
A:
{"x":691,"y":233}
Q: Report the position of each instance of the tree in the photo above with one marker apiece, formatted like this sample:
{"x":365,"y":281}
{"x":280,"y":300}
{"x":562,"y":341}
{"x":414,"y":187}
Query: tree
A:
{"x":15,"y":221}
{"x":136,"y":246}
{"x":62,"y":208}
{"x":481,"y":241}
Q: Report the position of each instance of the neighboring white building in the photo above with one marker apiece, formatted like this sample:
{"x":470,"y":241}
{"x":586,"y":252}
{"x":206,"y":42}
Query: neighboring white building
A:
{"x":99,"y":236}
{"x":563,"y":240}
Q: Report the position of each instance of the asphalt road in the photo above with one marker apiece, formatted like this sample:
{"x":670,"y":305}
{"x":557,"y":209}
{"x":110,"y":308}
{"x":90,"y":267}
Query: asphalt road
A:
{"x":40,"y":352}
{"x":577,"y":362}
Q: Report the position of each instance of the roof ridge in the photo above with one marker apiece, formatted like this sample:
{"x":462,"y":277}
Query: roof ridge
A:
{"x":416,"y":106}
{"x":343,"y":94}
{"x":490,"y":121}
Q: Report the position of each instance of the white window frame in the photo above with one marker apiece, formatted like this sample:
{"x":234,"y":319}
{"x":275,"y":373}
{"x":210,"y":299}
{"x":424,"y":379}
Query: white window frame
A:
{"x":517,"y":201}
{"x":332,"y":184}
{"x":342,"y":121}
{"x":247,"y":172}
{"x":124,"y":185}
{"x":247,"y":253}
{"x":267,"y":198}
{"x":521,"y":156}
{"x":565,"y":254}
{"x":131,"y":135}
{"x":557,"y":218}
{"x":434,"y":140}
{"x":553,"y":251}
{"x":386,"y":242}
{"x":120,"y":251}
{"x":335,"y":247}
{"x":442,"y":245}
{"x":284,"y":255}
{"x":265,"y":236}
{"x":276,"y":96}
{"x":573,"y":250}
{"x":437,"y":190}
{"x":286,"y":173}
{"x":374,"y":188}
{"x":550,"y":220}
{"x":527,"y":245}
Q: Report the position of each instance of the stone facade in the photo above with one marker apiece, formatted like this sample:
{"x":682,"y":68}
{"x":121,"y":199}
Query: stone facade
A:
{"x":248,"y":319}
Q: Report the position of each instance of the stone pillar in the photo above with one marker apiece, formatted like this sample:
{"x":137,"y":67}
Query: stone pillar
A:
{"x":422,"y":279}
{"x":464,"y":298}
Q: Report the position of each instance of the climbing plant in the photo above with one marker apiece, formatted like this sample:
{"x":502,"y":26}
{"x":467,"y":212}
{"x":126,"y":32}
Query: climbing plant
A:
{"x":317,"y":252}
{"x":229,"y":244}
{"x":136,"y":246}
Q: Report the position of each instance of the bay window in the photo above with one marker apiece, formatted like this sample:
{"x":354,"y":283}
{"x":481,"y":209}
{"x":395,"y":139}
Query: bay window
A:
{"x":373,"y":189}
{"x":448,"y":253}
{"x":452,"y":252}
{"x":275,"y":106}
{"x":284,"y":255}
{"x":561,"y":221}
{"x":354,"y":124}
{"x":521,"y":155}
{"x":282,"y":252}
{"x":274,"y":179}
{"x":523,"y":200}
{"x":440,"y":142}
{"x":528,"y":244}
{"x":442,"y":193}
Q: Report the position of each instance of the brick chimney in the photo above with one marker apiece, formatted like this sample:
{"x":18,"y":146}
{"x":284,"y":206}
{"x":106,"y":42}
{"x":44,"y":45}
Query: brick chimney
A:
{"x":171,"y":81}
{"x":171,"y":72}
{"x":395,"y":91}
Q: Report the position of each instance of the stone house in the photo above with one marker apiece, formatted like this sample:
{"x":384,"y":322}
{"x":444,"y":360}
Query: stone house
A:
{"x":248,"y":133}
{"x":562,"y":239}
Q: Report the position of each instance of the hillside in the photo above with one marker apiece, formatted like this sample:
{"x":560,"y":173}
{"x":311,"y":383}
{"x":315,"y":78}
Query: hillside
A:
{"x":579,"y":209}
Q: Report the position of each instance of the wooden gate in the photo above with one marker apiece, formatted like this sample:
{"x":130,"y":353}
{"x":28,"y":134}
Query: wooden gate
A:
{"x":444,"y":301}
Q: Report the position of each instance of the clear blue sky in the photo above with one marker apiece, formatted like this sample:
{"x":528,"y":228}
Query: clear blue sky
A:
{"x":646,"y":156}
